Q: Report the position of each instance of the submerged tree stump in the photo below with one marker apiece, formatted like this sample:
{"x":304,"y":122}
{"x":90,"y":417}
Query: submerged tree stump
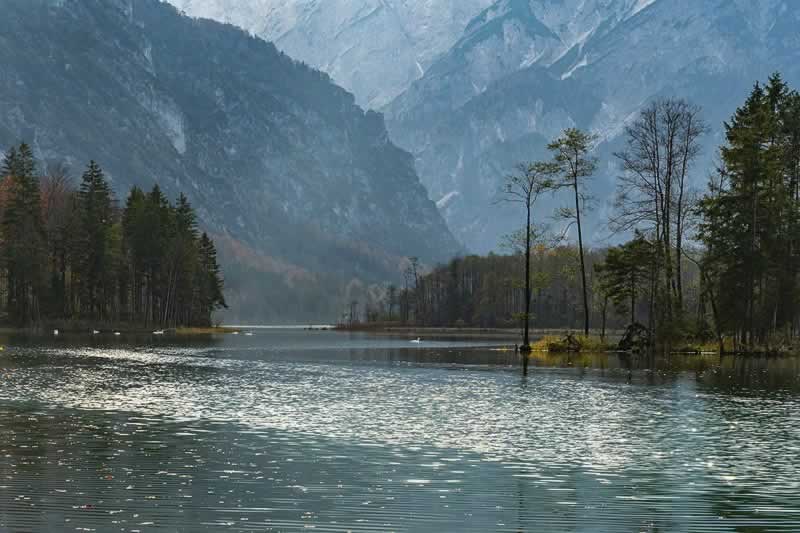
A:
{"x":635,"y":339}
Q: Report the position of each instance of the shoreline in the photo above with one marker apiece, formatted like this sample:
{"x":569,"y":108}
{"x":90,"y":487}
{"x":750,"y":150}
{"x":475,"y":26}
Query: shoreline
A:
{"x":420,"y":331}
{"x":105,"y":329}
{"x":505,"y":337}
{"x":540,"y":338}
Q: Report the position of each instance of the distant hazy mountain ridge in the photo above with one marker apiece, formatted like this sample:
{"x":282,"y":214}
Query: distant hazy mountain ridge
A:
{"x":374,"y":48}
{"x":525,"y":69}
{"x":471,"y":87}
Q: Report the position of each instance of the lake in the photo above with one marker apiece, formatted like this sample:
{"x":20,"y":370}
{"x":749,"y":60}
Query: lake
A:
{"x":289,"y":429}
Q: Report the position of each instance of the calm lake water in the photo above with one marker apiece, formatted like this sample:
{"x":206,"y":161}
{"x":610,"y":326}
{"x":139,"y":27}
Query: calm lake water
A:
{"x":289,"y":430}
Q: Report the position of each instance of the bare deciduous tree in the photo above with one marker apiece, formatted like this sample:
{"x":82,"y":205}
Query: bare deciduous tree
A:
{"x":524,"y":187}
{"x":654,"y":193}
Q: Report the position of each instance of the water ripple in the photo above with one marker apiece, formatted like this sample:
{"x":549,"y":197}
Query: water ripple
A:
{"x":353,"y":438}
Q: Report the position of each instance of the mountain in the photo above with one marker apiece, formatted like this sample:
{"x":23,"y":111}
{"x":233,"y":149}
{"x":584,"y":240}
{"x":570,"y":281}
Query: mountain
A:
{"x":374,"y":48}
{"x":526,"y":69}
{"x":302,"y":188}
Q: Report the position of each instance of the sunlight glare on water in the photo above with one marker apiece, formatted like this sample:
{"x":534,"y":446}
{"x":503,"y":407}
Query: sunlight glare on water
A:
{"x":290,"y":429}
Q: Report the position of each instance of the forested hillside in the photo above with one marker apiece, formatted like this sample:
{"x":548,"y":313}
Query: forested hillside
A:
{"x":302,"y":189}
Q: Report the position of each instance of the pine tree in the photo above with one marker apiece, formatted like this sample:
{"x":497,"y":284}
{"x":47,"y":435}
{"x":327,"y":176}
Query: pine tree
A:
{"x":183,"y":259}
{"x":135,"y":228}
{"x":96,"y":273}
{"x":750,"y":218}
{"x":23,"y":252}
{"x":156,"y":230}
{"x":625,"y":274}
{"x":573,"y":166}
{"x":210,"y":283}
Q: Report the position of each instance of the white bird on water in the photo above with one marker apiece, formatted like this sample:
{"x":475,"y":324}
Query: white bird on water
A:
{"x":417,"y":340}
{"x":158,"y":332}
{"x":117,"y":333}
{"x":95,"y":332}
{"x":55,"y":332}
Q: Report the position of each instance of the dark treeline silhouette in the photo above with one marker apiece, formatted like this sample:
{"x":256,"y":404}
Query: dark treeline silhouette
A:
{"x":487,"y":292}
{"x":751,"y":222}
{"x":72,"y":254}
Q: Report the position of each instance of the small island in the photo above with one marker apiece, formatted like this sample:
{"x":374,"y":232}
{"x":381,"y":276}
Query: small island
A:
{"x":697,"y":269}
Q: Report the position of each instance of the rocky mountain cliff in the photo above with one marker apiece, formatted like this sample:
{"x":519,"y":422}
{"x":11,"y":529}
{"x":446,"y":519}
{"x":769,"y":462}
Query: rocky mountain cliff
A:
{"x":473,"y":86}
{"x":302,"y":188}
{"x":374,"y":48}
{"x":525,"y":69}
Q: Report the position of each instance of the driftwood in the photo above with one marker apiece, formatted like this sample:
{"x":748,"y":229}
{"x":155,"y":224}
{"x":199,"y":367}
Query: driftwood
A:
{"x":568,"y":344}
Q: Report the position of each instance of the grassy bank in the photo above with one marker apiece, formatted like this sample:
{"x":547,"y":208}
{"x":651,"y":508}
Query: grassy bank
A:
{"x":573,"y":343}
{"x":596,"y":344}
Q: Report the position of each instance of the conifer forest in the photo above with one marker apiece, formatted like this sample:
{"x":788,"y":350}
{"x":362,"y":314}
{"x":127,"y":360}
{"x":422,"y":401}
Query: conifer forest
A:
{"x":73,"y":255}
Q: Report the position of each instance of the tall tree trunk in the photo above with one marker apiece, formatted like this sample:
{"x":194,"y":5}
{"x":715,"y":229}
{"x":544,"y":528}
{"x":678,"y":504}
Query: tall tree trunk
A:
{"x":605,"y":310}
{"x":583,"y":261}
{"x":750,"y":335}
{"x":526,"y":345}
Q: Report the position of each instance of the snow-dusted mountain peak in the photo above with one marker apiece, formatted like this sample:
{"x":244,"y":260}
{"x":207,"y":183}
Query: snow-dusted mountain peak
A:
{"x":373,"y":48}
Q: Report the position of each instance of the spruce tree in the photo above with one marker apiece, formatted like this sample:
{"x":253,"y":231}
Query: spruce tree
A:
{"x":23,"y":252}
{"x":210,"y":281}
{"x":750,"y":218}
{"x":154,"y":230}
{"x":184,"y":252}
{"x":136,"y":235}
{"x":96,"y":269}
